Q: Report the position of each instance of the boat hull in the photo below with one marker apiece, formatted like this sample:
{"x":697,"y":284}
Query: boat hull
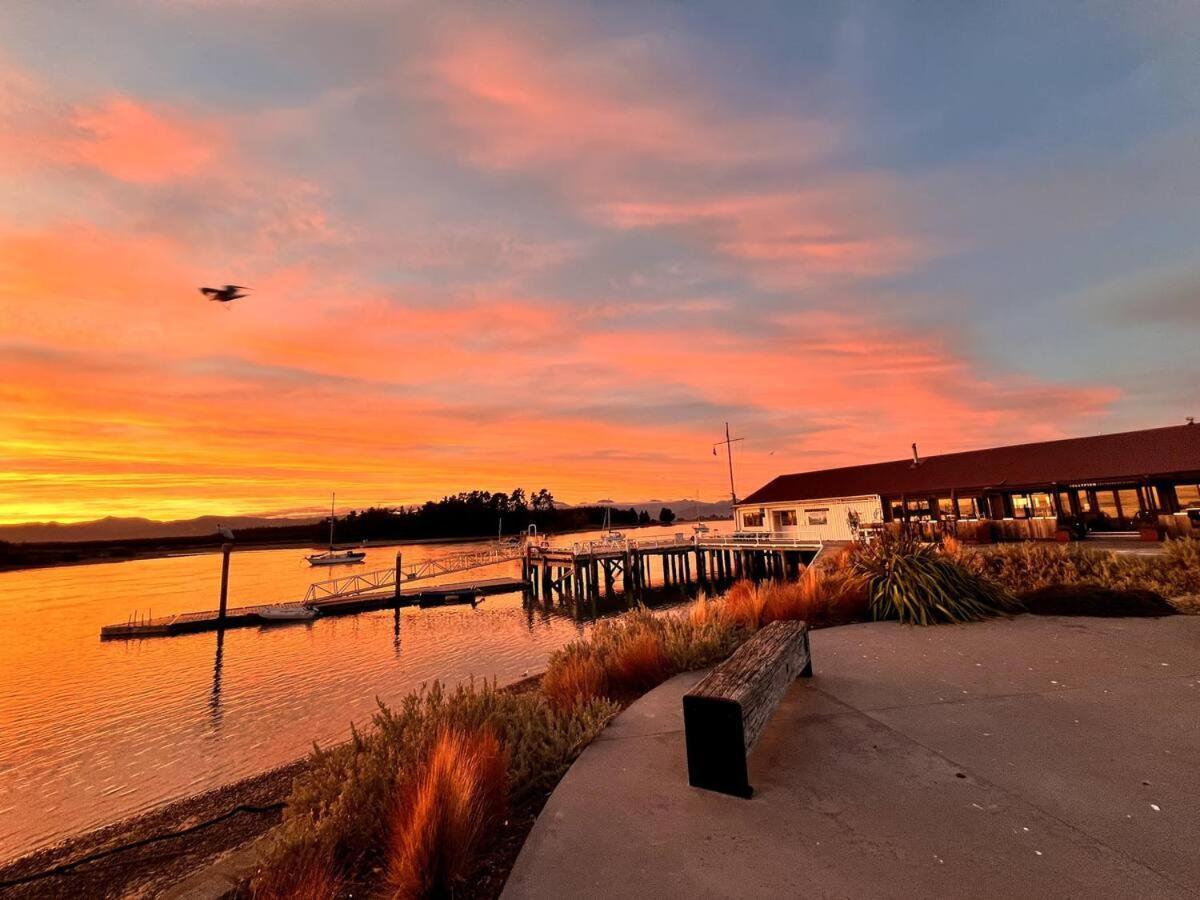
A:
{"x":288,"y":614}
{"x":348,"y":559}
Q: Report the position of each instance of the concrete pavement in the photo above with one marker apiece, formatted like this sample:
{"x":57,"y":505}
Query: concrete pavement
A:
{"x":1013,"y":758}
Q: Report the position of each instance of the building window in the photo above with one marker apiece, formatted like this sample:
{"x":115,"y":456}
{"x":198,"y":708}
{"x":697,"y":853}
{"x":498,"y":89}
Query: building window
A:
{"x":1085,"y":501}
{"x":1022,"y":507}
{"x":1041,"y":504}
{"x":817,"y":516}
{"x":918,"y":510}
{"x":1106,"y":504}
{"x":783,"y":518}
{"x":752,"y":519}
{"x":967,"y":508}
{"x":1131,"y":504}
{"x":946,"y":507}
{"x":1188,"y":495}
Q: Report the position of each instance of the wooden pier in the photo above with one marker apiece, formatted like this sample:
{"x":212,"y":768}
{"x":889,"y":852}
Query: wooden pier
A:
{"x":592,"y":568}
{"x":582,"y":571}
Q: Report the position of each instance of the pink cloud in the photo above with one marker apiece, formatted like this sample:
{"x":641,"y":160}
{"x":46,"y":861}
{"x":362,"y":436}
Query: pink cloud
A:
{"x":116,"y":135}
{"x":628,"y":152}
{"x":524,"y":102}
{"x":131,"y":142}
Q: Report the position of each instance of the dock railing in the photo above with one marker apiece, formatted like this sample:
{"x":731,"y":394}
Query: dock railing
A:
{"x":383,"y":579}
{"x":773,"y":539}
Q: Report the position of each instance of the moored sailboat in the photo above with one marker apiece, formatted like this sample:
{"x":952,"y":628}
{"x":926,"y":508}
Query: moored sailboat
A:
{"x":333,"y":556}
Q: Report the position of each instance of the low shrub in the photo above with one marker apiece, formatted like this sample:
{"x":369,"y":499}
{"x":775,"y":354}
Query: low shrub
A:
{"x":446,"y":809}
{"x":1028,"y":567}
{"x":1095,"y":600}
{"x":916,"y":584}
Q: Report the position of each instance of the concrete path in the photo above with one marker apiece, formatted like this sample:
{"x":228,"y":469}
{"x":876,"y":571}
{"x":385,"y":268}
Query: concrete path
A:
{"x":1030,"y":757}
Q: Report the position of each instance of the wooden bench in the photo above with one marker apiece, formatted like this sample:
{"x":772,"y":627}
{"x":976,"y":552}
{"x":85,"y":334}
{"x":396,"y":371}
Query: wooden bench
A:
{"x":724,"y":714}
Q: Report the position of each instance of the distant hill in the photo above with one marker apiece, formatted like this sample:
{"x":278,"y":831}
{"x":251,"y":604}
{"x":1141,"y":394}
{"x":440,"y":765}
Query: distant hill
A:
{"x":112,"y":528}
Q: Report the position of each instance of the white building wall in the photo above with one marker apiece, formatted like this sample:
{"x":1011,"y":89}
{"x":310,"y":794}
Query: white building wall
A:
{"x":807,"y":515}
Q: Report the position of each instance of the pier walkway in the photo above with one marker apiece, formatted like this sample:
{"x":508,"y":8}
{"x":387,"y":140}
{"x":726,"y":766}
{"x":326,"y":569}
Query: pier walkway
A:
{"x":1024,"y":757}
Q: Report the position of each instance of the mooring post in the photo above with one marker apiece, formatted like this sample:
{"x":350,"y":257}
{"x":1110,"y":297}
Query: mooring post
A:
{"x":399,"y":575}
{"x":226,"y":549}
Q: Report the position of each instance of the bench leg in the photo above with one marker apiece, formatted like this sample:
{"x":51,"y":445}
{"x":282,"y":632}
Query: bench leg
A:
{"x":716,"y":749}
{"x":806,"y":672}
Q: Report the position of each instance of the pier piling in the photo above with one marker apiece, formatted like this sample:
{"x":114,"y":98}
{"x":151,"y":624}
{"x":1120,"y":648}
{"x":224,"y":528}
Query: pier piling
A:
{"x":226,"y":549}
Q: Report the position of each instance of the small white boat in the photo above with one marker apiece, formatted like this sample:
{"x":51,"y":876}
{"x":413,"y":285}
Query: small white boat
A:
{"x":701,"y":528}
{"x":333,"y":557}
{"x":287,"y":613}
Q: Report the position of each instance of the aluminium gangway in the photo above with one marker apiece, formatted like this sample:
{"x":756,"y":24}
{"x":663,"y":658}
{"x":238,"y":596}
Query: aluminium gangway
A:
{"x":384,"y":579}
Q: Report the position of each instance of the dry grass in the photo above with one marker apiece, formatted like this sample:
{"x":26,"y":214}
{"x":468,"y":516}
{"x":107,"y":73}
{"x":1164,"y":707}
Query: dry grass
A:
{"x":827,"y":594}
{"x":338,"y":815}
{"x":640,"y":663}
{"x":445,"y":813}
{"x":1027,"y":567}
{"x":624,"y":657}
{"x":307,"y":876}
{"x":575,"y":681}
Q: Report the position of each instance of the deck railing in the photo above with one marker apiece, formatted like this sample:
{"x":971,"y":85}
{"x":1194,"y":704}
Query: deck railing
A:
{"x":381,"y":579}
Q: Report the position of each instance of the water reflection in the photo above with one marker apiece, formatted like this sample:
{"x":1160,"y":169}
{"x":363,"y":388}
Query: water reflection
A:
{"x":94,"y":732}
{"x":214,"y":696}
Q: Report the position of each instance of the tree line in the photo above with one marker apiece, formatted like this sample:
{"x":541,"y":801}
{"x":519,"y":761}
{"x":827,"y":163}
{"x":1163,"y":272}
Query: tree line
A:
{"x":468,"y":514}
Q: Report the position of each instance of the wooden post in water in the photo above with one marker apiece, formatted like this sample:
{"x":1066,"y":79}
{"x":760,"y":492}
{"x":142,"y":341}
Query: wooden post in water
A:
{"x":399,"y":575}
{"x":226,"y":549}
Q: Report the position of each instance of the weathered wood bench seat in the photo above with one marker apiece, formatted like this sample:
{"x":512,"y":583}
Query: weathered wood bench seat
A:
{"x":724,"y":714}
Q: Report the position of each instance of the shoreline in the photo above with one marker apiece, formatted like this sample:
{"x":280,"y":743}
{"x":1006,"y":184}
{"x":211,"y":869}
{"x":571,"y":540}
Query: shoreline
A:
{"x":103,"y":555}
{"x":148,"y":870}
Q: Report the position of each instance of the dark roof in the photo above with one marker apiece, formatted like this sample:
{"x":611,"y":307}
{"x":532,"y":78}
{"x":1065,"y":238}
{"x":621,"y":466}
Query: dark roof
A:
{"x":1156,"y":452}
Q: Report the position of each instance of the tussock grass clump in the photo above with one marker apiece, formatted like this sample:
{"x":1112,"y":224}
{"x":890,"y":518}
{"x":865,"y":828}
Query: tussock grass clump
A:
{"x":339,"y":812}
{"x":445,"y":812}
{"x":916,"y":584}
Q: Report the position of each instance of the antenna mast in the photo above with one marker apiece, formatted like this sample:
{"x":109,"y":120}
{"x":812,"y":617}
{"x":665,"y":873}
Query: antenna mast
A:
{"x":729,"y":442}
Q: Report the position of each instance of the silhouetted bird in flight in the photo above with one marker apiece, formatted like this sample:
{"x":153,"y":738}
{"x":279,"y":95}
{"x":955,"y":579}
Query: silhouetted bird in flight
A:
{"x":225,"y":294}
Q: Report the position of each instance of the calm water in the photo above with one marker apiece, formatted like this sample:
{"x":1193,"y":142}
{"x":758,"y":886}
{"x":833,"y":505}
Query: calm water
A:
{"x":93,"y":732}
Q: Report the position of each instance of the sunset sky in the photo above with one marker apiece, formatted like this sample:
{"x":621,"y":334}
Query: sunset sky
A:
{"x":505,"y":244}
